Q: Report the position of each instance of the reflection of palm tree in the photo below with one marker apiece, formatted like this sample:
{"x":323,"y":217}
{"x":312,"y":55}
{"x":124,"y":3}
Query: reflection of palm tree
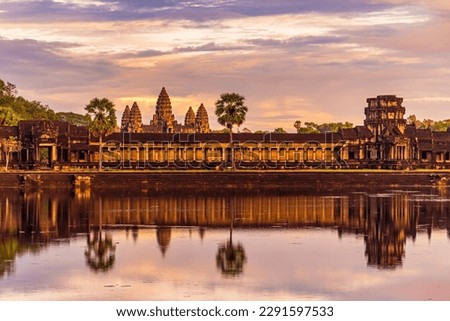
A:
{"x":9,"y":248}
{"x":101,"y":252}
{"x":230,"y":258}
{"x":163,"y":235}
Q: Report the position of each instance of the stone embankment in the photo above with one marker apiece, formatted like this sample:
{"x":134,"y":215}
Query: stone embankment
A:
{"x":204,"y":180}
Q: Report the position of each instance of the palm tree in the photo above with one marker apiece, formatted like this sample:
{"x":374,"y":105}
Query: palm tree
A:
{"x":102,"y":120}
{"x":230,"y":111}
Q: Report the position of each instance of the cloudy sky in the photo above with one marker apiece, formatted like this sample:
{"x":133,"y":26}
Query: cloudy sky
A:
{"x":308,"y":60}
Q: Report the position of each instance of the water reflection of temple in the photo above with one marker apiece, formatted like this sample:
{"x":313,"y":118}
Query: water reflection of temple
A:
{"x":32,"y":220}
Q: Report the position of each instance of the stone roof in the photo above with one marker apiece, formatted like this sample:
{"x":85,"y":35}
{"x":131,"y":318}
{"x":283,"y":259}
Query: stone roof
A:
{"x":358,"y":132}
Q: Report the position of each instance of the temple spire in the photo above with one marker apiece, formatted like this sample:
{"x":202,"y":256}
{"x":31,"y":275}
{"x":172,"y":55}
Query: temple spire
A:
{"x":125,"y":119}
{"x":163,"y":116}
{"x":189,"y":120}
{"x":201,"y":120}
{"x":135,"y":119}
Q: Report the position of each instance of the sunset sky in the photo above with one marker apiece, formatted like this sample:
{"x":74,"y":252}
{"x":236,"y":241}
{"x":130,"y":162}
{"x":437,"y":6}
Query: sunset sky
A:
{"x":307,"y":60}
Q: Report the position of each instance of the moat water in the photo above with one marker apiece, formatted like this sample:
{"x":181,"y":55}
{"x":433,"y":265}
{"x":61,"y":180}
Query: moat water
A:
{"x":222,"y":245}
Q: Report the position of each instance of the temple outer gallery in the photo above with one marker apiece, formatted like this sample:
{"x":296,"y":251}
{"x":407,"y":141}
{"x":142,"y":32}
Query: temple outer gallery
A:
{"x":384,"y":141}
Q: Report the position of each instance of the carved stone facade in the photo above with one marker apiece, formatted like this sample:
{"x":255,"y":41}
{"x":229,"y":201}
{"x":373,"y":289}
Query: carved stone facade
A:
{"x":385,"y":141}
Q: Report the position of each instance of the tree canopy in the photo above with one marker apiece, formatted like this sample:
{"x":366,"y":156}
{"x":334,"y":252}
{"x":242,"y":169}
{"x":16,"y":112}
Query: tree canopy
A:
{"x":230,"y":110}
{"x":313,"y":128}
{"x":14,"y":108}
{"x":102,"y":115}
{"x":434,"y":125}
{"x":279,"y":130}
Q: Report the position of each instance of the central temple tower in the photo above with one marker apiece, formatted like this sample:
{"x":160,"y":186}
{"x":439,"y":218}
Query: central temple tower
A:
{"x":163,"y":117}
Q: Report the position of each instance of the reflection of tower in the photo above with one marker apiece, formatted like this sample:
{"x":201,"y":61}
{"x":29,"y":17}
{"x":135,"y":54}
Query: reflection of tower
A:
{"x":201,"y":232}
{"x":163,"y":234}
{"x":390,"y":220}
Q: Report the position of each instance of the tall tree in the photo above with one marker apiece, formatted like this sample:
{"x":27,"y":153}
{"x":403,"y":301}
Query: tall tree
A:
{"x":102,"y":120}
{"x":230,"y":111}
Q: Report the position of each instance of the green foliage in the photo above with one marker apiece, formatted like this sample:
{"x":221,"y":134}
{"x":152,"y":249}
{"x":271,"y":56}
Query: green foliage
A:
{"x":313,"y":128}
{"x":441,"y":125}
{"x":102,"y":120}
{"x":102,"y":115}
{"x":230,"y":110}
{"x":223,"y":131}
{"x":309,"y":128}
{"x":73,"y":118}
{"x":434,"y":125}
{"x":8,"y":117}
{"x":279,"y":130}
{"x":14,"y":108}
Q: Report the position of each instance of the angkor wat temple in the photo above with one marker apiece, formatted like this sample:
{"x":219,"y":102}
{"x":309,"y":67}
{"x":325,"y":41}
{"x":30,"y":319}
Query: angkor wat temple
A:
{"x":384,"y":141}
{"x":163,"y":120}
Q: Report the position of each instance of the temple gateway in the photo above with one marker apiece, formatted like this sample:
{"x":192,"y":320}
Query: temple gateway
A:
{"x":384,"y":141}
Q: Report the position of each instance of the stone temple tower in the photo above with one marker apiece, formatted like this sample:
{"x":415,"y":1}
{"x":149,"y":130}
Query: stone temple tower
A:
{"x":189,"y":120}
{"x":385,"y":114}
{"x":202,"y":120}
{"x":131,"y":119}
{"x":163,"y":118}
{"x":125,"y":119}
{"x":385,"y":119}
{"x":135,"y":119}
